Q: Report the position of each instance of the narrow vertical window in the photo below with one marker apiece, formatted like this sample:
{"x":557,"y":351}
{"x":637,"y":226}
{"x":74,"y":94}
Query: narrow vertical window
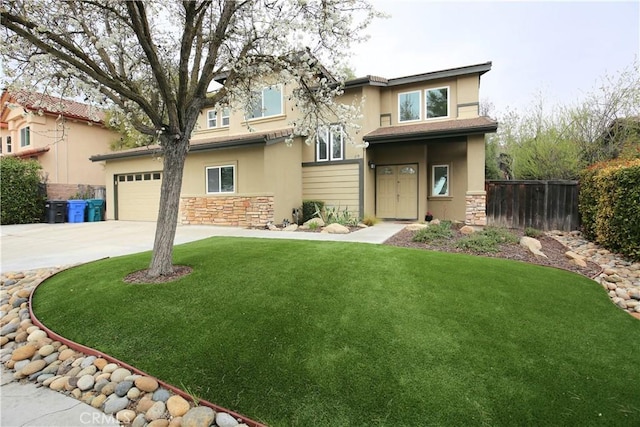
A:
{"x":25,"y":136}
{"x":440,"y":180}
{"x":225,"y":117}
{"x":212,"y":118}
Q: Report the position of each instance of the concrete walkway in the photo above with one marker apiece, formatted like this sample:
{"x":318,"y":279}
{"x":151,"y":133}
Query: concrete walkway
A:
{"x":33,"y":246}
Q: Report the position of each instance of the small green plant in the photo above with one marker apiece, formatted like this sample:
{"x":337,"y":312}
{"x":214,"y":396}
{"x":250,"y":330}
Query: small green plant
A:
{"x":333,"y":214}
{"x":313,"y":226}
{"x":370,"y":220}
{"x":533,"y":232}
{"x":191,"y":393}
{"x":488,"y":240}
{"x":434,"y":232}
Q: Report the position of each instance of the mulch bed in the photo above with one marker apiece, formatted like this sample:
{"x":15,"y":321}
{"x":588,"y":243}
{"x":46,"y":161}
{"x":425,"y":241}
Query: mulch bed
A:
{"x":142,"y":277}
{"x":554,"y":250}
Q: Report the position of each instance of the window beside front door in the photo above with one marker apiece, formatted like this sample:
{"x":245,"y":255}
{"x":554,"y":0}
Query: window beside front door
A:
{"x":330,"y":143}
{"x":25,"y":136}
{"x":220,"y":179}
{"x":409,"y":106}
{"x":440,"y":182}
{"x":437,"y":102}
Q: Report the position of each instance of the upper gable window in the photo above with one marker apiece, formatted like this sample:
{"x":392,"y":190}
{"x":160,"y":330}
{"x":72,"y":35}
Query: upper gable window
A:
{"x":268,"y":103}
{"x":437,"y":102}
{"x":330,"y":143}
{"x":409,"y":106}
{"x":25,"y":136}
{"x":212,"y":118}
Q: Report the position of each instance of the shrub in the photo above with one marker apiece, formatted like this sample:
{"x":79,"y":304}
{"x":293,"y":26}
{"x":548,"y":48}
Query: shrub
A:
{"x":434,"y":232}
{"x":309,"y":208}
{"x":608,"y":204}
{"x":370,"y":220}
{"x":533,"y":232}
{"x":333,"y":214}
{"x":488,"y":240}
{"x":20,"y":191}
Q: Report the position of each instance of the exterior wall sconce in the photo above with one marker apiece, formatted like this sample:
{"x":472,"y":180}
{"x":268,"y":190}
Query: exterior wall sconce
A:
{"x":372,"y":165}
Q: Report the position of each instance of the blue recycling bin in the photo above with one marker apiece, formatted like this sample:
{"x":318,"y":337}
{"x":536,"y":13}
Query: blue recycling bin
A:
{"x":75,"y":210}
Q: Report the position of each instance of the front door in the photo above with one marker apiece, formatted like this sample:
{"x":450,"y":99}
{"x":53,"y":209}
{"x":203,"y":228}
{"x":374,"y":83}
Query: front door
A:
{"x":397,"y":191}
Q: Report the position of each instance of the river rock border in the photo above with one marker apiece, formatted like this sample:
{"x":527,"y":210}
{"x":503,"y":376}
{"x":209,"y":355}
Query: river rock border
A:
{"x":619,"y":277}
{"x":34,"y":353}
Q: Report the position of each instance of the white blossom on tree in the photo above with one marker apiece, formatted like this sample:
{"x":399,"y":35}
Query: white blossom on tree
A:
{"x":155,"y":61}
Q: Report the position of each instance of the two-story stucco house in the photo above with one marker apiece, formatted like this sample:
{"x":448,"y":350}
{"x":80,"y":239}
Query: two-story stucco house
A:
{"x":60,"y":134}
{"x":420,"y":148}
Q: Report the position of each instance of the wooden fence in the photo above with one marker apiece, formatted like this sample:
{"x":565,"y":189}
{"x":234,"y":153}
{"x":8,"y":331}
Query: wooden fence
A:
{"x":544,"y":205}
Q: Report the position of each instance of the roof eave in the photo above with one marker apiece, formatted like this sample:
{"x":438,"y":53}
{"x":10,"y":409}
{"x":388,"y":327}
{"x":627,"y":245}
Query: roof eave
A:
{"x":419,"y":136}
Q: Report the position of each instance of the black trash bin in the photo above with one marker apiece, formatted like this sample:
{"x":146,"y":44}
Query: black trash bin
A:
{"x":54,"y":211}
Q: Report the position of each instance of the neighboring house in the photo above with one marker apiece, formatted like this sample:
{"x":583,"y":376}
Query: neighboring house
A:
{"x":420,"y":147}
{"x":60,"y":134}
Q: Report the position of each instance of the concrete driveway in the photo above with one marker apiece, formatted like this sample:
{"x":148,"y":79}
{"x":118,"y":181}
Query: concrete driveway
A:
{"x":32,"y":246}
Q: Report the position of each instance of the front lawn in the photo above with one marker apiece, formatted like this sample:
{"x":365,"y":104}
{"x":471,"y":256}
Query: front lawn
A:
{"x":301,"y":333}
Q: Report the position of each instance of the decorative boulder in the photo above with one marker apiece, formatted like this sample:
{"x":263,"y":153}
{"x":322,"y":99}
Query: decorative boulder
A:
{"x":467,"y":229}
{"x":416,"y":227}
{"x":533,"y":245}
{"x":335,"y":228}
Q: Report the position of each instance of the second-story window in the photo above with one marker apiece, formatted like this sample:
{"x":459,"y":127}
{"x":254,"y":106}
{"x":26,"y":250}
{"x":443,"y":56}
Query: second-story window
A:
{"x":213,"y":121}
{"x":437,"y":102}
{"x":409,"y":106}
{"x":267,"y":103}
{"x":330,"y":143}
{"x":25,"y":136}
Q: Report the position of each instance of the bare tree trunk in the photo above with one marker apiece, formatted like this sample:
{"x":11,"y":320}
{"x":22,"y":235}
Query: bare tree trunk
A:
{"x":175,"y":153}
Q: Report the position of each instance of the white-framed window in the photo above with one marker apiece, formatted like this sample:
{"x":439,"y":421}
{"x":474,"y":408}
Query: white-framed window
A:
{"x":409,"y":106}
{"x":212,"y":118}
{"x":437,"y":102}
{"x":221,"y":179}
{"x":330,"y":143}
{"x":9,"y":147}
{"x":267,"y":103}
{"x":225,"y":117}
{"x":440,"y":181}
{"x":25,"y":136}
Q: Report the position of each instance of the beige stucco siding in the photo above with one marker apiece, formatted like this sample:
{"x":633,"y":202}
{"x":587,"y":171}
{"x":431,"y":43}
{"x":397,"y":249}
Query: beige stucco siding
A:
{"x":454,"y":155}
{"x":337,"y":185}
{"x":283,"y":177}
{"x":70,"y":144}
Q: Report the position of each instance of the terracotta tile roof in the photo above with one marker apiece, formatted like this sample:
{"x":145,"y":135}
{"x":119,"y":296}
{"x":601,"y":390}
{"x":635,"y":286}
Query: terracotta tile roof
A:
{"x":204,"y":144}
{"x":29,"y":152}
{"x":36,"y":101}
{"x":429,"y":130}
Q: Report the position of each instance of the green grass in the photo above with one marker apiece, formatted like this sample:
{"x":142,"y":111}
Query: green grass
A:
{"x":299,"y":333}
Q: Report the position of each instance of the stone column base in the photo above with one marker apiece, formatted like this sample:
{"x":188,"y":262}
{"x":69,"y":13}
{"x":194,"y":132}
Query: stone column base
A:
{"x":476,"y":208}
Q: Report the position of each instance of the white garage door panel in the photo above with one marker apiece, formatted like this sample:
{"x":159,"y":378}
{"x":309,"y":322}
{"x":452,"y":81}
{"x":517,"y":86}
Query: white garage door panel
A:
{"x":139,"y":200}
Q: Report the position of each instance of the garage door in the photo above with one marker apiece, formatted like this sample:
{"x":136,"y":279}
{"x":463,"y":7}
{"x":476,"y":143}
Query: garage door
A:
{"x":137,"y":196}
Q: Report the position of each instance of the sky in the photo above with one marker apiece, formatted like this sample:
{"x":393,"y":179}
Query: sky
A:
{"x":559,"y":49}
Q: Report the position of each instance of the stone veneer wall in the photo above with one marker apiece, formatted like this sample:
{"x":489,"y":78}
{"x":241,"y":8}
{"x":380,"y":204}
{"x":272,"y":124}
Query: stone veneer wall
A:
{"x":238,"y":211}
{"x":476,"y":209}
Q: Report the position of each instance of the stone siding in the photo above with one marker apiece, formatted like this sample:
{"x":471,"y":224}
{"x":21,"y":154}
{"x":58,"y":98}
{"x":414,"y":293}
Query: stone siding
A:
{"x":476,"y":209}
{"x":237,"y":211}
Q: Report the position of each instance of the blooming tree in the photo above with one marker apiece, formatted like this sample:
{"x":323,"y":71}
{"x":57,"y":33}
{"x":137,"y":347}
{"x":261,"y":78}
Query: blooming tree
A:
{"x":156,"y":61}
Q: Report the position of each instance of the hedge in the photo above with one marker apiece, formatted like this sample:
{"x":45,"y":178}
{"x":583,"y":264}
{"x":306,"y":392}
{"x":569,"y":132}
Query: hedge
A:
{"x":609,"y":205}
{"x":310,"y":207}
{"x":20,"y":191}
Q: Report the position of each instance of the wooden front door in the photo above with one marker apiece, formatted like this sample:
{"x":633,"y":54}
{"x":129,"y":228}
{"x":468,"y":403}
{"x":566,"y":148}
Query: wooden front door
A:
{"x":397,"y":191}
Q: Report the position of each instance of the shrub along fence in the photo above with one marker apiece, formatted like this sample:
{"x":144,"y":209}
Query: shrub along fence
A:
{"x":544,"y":205}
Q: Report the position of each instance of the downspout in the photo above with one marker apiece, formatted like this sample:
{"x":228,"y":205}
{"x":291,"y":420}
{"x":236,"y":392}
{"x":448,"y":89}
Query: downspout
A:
{"x":56,"y":151}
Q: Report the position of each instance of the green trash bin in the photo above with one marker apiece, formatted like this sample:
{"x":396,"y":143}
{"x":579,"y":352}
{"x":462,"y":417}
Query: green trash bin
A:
{"x":95,"y":210}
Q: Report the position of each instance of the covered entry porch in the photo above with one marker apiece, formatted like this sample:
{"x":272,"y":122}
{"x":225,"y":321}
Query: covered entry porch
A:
{"x":433,"y":167}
